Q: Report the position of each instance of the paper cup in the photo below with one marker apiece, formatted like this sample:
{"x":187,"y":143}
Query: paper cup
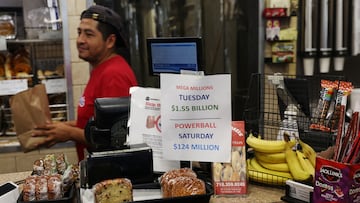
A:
{"x":339,"y":63}
{"x":355,"y":99}
{"x":308,"y":66}
{"x":324,"y":65}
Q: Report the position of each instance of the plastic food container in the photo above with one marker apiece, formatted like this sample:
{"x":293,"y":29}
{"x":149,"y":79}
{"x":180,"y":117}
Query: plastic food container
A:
{"x":8,"y":25}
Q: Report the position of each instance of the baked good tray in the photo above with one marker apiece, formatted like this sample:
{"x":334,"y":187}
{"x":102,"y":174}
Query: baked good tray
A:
{"x":68,"y":197}
{"x":151,"y":193}
{"x":154,"y":195}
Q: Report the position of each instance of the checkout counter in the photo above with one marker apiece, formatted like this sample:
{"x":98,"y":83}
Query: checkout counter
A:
{"x":107,"y":138}
{"x":256,"y":193}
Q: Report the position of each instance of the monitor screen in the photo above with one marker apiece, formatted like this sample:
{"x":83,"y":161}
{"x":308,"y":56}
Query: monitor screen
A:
{"x":171,"y":55}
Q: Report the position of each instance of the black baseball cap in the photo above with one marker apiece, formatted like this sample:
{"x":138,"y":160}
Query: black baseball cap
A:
{"x":108,"y":16}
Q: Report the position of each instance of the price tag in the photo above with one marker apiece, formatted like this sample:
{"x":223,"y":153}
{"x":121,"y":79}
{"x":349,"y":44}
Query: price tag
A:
{"x":55,"y":85}
{"x":11,"y":87}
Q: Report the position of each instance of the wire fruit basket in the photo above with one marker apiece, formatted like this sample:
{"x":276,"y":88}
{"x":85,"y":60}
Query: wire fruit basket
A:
{"x":286,"y":104}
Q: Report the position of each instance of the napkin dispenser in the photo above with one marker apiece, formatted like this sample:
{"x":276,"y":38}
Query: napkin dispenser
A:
{"x":9,"y":192}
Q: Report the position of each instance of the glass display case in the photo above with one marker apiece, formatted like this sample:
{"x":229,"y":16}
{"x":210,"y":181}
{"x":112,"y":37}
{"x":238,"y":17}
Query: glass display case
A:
{"x":28,"y":60}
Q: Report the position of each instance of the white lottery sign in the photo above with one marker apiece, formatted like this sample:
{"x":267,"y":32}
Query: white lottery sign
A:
{"x":196,"y":117}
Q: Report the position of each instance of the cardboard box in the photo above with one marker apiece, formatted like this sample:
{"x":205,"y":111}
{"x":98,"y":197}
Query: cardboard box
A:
{"x":336,"y":182}
{"x":230,"y":178}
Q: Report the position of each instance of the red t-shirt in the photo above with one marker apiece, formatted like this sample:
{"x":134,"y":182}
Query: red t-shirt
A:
{"x":112,"y":78}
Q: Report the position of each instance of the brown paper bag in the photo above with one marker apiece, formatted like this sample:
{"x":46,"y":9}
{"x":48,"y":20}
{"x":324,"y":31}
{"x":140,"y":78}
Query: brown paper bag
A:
{"x":30,"y":108}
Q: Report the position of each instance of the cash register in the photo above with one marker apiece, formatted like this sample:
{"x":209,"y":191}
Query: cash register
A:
{"x":109,"y":156}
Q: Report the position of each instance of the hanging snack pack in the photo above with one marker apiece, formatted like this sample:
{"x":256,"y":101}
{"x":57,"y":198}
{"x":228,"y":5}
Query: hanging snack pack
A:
{"x":326,"y":94}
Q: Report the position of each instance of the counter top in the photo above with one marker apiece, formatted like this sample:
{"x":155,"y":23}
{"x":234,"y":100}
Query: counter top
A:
{"x":256,"y":193}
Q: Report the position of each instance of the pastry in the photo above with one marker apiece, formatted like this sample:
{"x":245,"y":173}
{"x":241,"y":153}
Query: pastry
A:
{"x":41,"y":189}
{"x":227,"y":172}
{"x":70,"y":176}
{"x":22,"y":68}
{"x":186,"y":186}
{"x":38,"y":167}
{"x":113,"y":191}
{"x":50,"y":164}
{"x":61,"y":163}
{"x":9,"y":72}
{"x":217,"y":168}
{"x":175,"y":173}
{"x":236,"y":160}
{"x":54,"y":185}
{"x":169,"y":175}
{"x":29,"y":189}
{"x":6,"y":28}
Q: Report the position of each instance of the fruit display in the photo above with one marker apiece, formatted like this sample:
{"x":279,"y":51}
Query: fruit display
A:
{"x":276,"y":161}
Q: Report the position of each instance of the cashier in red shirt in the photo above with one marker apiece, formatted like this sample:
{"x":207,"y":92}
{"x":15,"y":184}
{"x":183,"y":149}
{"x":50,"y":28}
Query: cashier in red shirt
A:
{"x":99,"y":38}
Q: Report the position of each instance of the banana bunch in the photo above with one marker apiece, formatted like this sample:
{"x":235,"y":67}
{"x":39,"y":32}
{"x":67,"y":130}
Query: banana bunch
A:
{"x":299,"y":167}
{"x":275,"y":161}
{"x":265,"y":146}
{"x":258,"y":173}
{"x":309,"y":152}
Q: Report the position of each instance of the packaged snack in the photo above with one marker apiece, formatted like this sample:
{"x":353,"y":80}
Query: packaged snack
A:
{"x":326,"y":94}
{"x":343,"y":91}
{"x":38,"y":167}
{"x":50,"y":164}
{"x":230,"y":178}
{"x":61,"y":163}
{"x":336,"y":182}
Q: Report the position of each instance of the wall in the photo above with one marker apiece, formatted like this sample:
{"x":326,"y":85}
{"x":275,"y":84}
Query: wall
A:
{"x":19,"y":161}
{"x":79,"y":68}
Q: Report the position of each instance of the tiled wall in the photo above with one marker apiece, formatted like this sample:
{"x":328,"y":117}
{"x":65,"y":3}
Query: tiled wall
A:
{"x":79,"y":68}
{"x":19,"y":161}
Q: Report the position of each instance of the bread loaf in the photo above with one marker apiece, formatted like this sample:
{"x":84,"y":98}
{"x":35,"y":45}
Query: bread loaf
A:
{"x":169,"y":175}
{"x":185,"y":186}
{"x":181,"y":182}
{"x":113,"y":191}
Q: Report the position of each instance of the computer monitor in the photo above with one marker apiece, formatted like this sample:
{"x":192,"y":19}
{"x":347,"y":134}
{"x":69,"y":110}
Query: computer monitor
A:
{"x":171,"y":55}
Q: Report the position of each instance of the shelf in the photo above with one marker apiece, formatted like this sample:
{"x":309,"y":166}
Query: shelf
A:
{"x":268,"y":60}
{"x":270,"y":13}
{"x":274,"y":41}
{"x":30,"y":41}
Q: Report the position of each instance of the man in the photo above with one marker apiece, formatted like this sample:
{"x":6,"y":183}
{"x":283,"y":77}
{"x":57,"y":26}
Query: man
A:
{"x":99,"y":36}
